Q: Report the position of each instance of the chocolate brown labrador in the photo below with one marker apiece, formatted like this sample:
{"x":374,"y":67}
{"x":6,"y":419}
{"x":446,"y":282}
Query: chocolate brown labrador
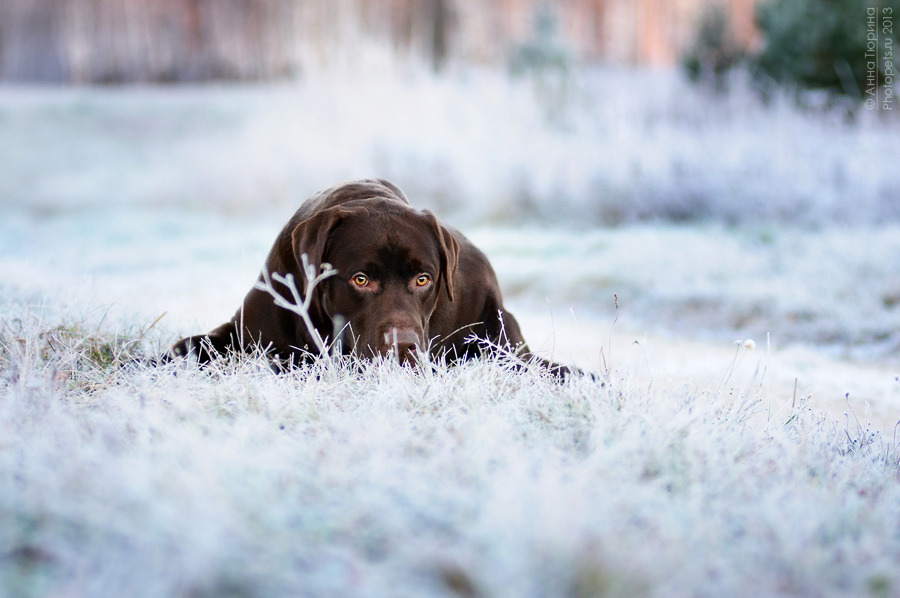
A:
{"x":405,"y":284}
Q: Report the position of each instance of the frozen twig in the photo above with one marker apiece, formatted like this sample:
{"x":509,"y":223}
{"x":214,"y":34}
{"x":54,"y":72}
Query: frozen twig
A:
{"x":299,"y":305}
{"x":606,"y":366}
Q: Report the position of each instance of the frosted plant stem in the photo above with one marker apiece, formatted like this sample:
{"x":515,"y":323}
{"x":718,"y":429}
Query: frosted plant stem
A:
{"x":299,"y":305}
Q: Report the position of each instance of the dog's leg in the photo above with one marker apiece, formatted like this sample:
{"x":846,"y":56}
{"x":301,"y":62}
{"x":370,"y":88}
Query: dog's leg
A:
{"x":205,"y":347}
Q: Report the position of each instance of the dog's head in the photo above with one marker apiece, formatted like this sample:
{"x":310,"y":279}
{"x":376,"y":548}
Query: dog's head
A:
{"x":392,"y":263}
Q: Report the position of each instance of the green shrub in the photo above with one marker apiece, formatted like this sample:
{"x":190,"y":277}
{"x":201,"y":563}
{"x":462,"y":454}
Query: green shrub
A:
{"x":819,"y":44}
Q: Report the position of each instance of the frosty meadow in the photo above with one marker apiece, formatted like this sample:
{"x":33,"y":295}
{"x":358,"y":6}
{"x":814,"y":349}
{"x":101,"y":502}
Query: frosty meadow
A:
{"x":694,"y":466}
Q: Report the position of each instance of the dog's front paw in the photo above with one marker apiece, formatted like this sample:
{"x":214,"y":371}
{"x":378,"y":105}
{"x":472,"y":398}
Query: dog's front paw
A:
{"x":193,"y":348}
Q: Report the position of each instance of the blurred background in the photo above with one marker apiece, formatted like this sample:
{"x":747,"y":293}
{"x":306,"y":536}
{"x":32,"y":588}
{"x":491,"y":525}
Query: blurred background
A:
{"x":726,"y":167}
{"x":584,"y":111}
{"x":107,"y":41}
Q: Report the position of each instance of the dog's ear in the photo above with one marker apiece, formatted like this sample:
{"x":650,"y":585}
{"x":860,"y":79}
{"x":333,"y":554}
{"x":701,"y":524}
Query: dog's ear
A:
{"x":448,"y":248}
{"x":311,"y":236}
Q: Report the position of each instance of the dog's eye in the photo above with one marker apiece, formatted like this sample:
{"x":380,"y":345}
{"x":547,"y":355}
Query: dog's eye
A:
{"x":423,"y":280}
{"x":361,"y":280}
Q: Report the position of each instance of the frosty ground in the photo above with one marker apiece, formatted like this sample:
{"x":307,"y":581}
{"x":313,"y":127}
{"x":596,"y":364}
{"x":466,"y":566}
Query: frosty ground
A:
{"x":692,"y":466}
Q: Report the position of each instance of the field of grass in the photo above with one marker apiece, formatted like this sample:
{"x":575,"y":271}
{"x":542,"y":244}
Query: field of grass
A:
{"x":693,"y":465}
{"x":118,"y":478}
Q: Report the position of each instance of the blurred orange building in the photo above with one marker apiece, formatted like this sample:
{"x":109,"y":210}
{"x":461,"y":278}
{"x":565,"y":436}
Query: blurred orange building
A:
{"x":86,"y":41}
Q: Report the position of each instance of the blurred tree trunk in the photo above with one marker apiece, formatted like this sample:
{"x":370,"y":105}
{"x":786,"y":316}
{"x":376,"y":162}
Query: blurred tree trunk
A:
{"x":440,"y":20}
{"x":30,"y":41}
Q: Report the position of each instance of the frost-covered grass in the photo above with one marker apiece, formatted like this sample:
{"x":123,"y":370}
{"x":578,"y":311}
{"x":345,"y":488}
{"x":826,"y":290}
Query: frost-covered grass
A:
{"x":134,"y":216}
{"x":836,"y":288}
{"x":118,"y":478}
{"x":617,"y":146}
